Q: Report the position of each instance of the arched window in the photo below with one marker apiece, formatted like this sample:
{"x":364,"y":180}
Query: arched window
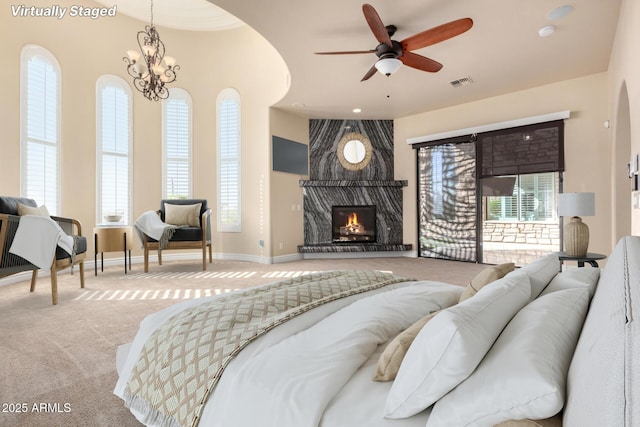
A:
{"x":176,"y":135}
{"x":229,"y":206}
{"x":40,"y":127}
{"x":114,"y":148}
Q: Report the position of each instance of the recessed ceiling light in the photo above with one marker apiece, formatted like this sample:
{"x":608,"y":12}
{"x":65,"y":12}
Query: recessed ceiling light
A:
{"x":298,"y":105}
{"x":560,"y":12}
{"x":357,"y":110}
{"x":546,"y":31}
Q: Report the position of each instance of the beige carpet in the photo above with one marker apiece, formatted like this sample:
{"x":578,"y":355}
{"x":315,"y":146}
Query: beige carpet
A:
{"x":58,"y":362}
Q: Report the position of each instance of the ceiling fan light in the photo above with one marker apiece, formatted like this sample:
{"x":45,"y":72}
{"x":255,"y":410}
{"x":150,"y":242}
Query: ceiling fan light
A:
{"x":388,"y":66}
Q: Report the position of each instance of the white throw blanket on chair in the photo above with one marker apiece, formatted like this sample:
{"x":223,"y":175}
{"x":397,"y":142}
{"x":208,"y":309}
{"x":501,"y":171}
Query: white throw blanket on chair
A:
{"x":149,"y":223}
{"x":36,"y":240}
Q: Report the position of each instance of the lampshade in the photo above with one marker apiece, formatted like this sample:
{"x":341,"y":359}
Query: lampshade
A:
{"x":576,"y":204}
{"x":388,"y":66}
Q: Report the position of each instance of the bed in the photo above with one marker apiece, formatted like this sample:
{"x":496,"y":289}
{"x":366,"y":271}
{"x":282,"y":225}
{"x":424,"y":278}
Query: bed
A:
{"x":303,"y":352}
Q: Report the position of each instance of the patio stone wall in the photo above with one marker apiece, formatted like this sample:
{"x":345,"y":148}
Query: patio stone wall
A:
{"x":530,"y":233}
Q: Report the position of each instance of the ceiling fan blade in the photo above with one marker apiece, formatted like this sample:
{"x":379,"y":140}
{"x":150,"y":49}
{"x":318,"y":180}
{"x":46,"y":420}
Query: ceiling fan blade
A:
{"x":370,"y":73}
{"x":375,"y":23}
{"x":437,"y":34}
{"x":420,"y":62}
{"x":346,"y":52}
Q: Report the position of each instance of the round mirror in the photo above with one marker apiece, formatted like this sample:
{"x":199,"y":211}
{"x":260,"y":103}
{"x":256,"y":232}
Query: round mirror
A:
{"x":354,"y":151}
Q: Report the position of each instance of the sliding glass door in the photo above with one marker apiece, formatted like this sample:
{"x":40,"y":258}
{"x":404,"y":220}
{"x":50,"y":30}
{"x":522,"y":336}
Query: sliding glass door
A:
{"x":447,"y":201}
{"x":490,"y":197}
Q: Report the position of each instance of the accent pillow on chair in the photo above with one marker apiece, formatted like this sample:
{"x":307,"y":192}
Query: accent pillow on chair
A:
{"x":182,"y":214}
{"x":29,"y":210}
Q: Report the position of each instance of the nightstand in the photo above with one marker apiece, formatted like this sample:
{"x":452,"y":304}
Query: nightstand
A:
{"x":590,"y":258}
{"x":116,"y":238}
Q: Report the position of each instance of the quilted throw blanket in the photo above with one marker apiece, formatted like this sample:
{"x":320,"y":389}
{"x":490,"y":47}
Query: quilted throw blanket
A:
{"x":183,"y":360}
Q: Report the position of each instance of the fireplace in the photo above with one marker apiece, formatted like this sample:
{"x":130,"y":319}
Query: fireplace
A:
{"x":353,"y":224}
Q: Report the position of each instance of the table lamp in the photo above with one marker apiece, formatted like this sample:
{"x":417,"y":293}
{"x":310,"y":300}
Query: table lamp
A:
{"x":576,"y":233}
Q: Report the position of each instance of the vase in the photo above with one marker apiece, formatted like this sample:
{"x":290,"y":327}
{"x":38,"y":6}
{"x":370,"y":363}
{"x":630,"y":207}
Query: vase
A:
{"x":576,"y":237}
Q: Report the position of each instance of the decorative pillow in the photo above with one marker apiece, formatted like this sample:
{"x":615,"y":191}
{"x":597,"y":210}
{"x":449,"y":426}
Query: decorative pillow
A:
{"x":182,"y":214}
{"x":486,"y":276}
{"x":574,"y":278}
{"x":452,"y":344}
{"x":391,"y":358}
{"x":524,"y":374}
{"x":29,"y":210}
{"x":541,"y":271}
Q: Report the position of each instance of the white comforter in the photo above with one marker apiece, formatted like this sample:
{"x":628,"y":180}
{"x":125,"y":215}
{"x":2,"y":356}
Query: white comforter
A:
{"x":316,"y":369}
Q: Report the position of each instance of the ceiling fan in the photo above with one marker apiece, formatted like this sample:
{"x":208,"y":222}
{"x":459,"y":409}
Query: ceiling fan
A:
{"x":392,"y":54}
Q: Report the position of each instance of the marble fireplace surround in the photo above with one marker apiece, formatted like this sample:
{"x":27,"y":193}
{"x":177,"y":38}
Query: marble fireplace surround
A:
{"x":330,"y":185}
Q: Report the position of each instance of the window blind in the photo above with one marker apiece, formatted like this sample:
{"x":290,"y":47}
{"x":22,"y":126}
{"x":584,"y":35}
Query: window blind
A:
{"x":114,"y":141}
{"x":40,"y":121}
{"x":523,"y":150}
{"x":229,"y":214}
{"x":177,"y":135}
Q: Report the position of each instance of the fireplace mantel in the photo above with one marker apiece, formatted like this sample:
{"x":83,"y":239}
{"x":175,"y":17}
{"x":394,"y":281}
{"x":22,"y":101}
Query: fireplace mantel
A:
{"x":346,"y":183}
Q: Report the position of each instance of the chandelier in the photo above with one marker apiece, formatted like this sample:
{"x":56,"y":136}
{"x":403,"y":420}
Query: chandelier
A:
{"x":150,"y":68}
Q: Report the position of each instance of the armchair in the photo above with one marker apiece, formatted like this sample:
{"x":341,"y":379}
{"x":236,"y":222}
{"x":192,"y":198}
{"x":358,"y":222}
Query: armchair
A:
{"x":11,"y":263}
{"x":191,"y":233}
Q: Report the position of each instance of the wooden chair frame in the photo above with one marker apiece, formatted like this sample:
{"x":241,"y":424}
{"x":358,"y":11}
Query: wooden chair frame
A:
{"x":68,"y":224}
{"x":203,"y":244}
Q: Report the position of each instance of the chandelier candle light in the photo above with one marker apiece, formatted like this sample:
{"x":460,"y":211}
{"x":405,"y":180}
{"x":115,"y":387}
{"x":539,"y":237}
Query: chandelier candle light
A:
{"x":576,"y":233}
{"x":150,"y":68}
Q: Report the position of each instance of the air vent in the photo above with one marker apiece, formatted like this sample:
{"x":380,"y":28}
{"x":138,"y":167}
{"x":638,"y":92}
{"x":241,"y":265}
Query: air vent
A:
{"x":465,"y":81}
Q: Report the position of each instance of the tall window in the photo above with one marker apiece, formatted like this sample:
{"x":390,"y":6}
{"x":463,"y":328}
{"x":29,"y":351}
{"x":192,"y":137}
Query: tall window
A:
{"x":229,"y":209}
{"x":176,"y":120}
{"x":40,"y":123}
{"x":113,"y":139}
{"x":533,"y":199}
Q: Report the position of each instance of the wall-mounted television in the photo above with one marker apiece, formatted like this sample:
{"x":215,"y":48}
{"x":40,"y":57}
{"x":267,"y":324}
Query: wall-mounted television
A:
{"x":289,"y":156}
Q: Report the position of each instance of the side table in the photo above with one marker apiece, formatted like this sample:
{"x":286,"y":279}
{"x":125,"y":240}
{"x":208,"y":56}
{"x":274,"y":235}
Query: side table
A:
{"x":109,"y":238}
{"x":590,"y":258}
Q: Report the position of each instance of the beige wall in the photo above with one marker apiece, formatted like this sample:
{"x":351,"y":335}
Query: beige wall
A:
{"x":210,"y":61}
{"x":587,"y":142}
{"x":624,"y":90}
{"x":287,"y":227}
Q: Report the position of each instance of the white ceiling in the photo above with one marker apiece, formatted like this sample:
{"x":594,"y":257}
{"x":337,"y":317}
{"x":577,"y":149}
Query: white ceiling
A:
{"x":502,"y":52}
{"x":194,"y":15}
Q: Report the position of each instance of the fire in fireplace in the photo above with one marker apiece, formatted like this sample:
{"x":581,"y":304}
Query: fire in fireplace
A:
{"x":353,"y":224}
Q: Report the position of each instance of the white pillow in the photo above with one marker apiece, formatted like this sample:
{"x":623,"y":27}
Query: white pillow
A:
{"x":453,"y":343}
{"x":574,"y":278}
{"x":182,"y":214}
{"x":541,"y":271}
{"x":29,"y":210}
{"x":524,"y":374}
